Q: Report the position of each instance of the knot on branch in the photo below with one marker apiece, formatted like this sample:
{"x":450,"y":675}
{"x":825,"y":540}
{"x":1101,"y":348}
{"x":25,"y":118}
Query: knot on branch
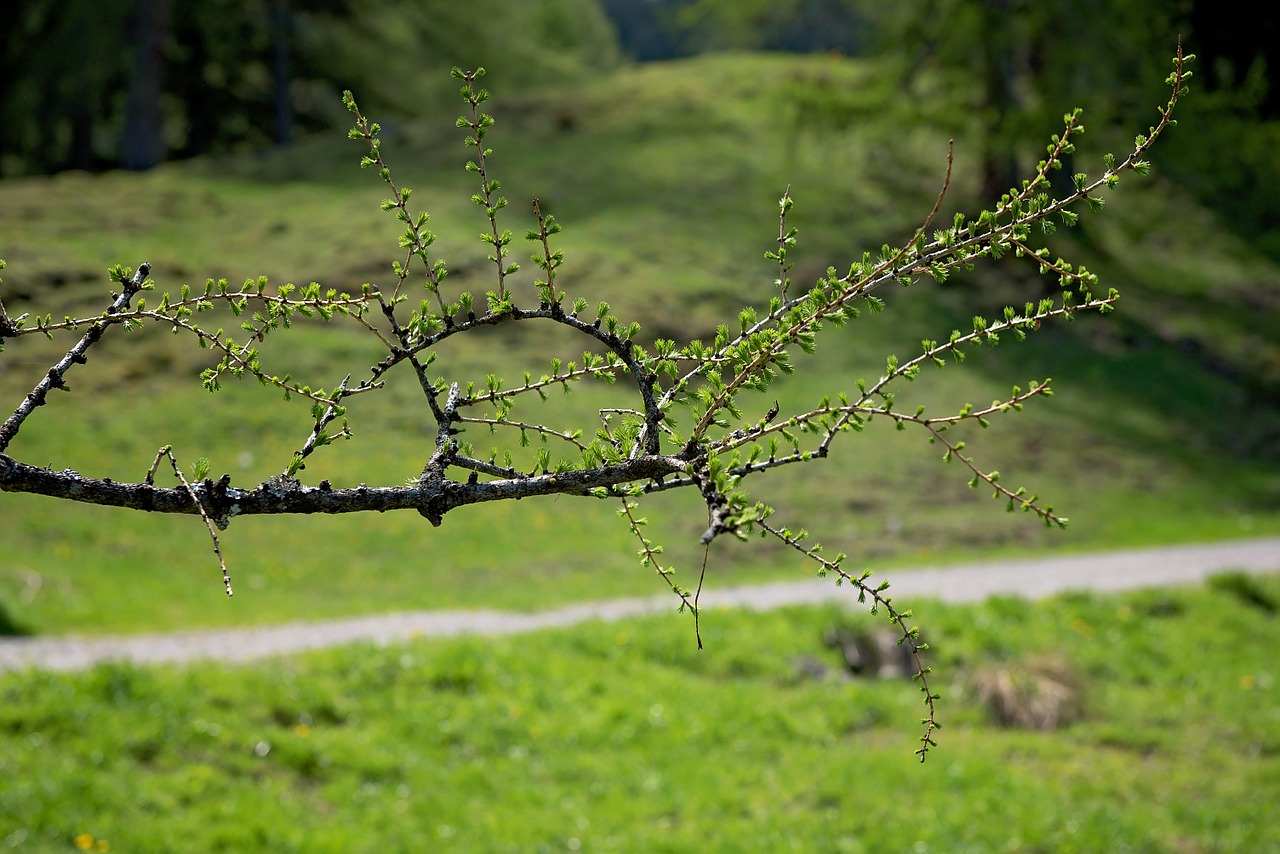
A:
{"x":218,"y":502}
{"x":720,"y":518}
{"x":433,"y":475}
{"x":439,"y":503}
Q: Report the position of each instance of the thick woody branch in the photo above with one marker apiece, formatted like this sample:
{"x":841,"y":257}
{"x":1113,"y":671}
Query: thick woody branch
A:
{"x":280,"y":496}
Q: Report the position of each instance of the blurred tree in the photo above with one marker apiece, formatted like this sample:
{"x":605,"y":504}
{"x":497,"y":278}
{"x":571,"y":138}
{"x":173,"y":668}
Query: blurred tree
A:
{"x":1001,"y":70}
{"x":1240,"y":50}
{"x":649,"y":30}
{"x":153,"y":79}
{"x":397,"y":55}
{"x":1004,"y":66}
{"x":281,"y":27}
{"x":141,"y":141}
{"x":53,"y":110}
{"x":1233,"y":165}
{"x":1017,"y":64}
{"x":787,"y":25}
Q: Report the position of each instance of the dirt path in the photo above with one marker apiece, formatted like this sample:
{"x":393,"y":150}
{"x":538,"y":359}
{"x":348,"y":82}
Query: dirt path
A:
{"x":968,"y":582}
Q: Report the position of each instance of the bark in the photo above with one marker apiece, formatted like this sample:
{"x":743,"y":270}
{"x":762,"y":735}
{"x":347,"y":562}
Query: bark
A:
{"x":142,"y":142}
{"x":281,"y":29}
{"x":281,"y":495}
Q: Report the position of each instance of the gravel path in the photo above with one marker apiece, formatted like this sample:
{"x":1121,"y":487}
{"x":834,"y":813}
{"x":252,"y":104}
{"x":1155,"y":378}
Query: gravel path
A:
{"x":1030,"y":578}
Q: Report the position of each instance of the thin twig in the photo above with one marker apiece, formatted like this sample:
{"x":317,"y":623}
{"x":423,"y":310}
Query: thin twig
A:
{"x":167,"y":451}
{"x":910,"y":635}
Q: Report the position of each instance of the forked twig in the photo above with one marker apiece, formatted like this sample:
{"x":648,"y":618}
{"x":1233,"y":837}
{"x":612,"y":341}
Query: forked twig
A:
{"x":167,"y":451}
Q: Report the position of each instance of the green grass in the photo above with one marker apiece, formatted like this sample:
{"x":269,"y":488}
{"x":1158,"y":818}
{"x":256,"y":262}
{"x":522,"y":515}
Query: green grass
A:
{"x":624,"y":737}
{"x":666,"y":178}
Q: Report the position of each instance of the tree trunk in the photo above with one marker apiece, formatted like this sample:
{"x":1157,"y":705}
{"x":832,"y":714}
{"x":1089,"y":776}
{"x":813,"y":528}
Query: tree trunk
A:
{"x":142,"y":143}
{"x":281,"y":27}
{"x":999,"y":163}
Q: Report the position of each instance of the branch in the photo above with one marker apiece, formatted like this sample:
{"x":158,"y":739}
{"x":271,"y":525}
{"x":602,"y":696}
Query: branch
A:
{"x":75,"y":356}
{"x":280,"y":496}
{"x":910,"y":635}
{"x":167,"y":451}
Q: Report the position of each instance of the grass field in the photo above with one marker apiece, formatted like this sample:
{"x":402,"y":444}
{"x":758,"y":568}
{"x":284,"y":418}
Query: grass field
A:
{"x":666,"y":177}
{"x":623,"y":737}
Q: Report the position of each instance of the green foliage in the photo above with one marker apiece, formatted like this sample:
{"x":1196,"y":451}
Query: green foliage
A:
{"x":623,"y":737}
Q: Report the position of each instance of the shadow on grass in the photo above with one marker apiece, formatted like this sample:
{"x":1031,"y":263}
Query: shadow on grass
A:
{"x":11,"y":627}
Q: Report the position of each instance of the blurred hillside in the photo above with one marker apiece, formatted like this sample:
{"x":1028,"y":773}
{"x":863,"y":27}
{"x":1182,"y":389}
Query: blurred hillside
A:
{"x":157,"y":80}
